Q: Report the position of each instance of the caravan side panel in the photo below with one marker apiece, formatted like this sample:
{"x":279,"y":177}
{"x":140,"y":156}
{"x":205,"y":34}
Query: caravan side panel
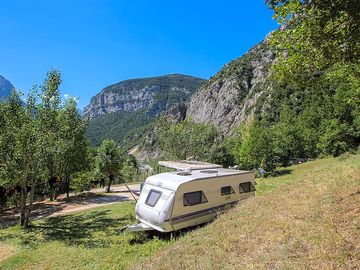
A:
{"x":217,"y":194}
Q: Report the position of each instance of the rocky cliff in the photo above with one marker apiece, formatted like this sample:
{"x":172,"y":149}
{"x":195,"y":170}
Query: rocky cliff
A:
{"x":5,"y":87}
{"x":235,"y":92}
{"x":126,"y":111}
{"x":152,"y":95}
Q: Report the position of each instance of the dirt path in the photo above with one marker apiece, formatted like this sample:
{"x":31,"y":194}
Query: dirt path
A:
{"x":62,"y":206}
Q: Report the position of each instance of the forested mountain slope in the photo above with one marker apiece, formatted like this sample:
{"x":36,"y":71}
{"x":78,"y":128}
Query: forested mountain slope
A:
{"x":126,"y":111}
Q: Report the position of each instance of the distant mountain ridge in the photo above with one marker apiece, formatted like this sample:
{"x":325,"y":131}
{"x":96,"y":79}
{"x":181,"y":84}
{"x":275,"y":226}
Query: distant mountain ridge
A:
{"x":153,"y":95}
{"x":126,"y":111}
{"x":5,"y":87}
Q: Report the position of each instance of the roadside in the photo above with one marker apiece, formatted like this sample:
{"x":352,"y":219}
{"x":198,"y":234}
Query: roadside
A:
{"x":63,"y":206}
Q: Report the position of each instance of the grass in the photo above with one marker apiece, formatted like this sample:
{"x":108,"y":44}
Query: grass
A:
{"x":307,"y":217}
{"x":87,"y":240}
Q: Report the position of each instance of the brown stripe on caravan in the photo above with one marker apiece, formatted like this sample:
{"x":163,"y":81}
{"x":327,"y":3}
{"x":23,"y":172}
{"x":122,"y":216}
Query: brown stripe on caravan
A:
{"x":201,"y":213}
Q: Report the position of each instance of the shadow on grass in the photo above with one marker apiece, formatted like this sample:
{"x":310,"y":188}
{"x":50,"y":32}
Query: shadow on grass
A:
{"x":280,"y":172}
{"x":91,"y":230}
{"x":46,"y":209}
{"x":143,"y":237}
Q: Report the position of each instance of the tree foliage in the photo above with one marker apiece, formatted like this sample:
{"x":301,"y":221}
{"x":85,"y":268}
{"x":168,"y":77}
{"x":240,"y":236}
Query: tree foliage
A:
{"x":39,"y":140}
{"x":316,"y":77}
{"x":109,"y":160}
{"x":72,"y":142}
{"x":186,"y":139}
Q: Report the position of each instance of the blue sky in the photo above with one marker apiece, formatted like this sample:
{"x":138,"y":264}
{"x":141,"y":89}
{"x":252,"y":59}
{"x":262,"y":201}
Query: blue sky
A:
{"x":97,"y":43}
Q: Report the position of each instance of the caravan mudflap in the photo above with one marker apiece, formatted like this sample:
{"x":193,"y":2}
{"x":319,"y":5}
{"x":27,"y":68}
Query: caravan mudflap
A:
{"x":139,"y":227}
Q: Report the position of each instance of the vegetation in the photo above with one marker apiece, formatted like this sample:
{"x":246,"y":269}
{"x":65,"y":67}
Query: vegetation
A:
{"x":163,"y":84}
{"x":109,"y":160}
{"x":316,"y":79}
{"x":186,"y":140}
{"x":314,"y":106}
{"x":43,"y":150}
{"x":86,"y":240}
{"x":32,"y":145}
{"x":72,"y":142}
{"x":306,"y":218}
{"x":126,"y":128}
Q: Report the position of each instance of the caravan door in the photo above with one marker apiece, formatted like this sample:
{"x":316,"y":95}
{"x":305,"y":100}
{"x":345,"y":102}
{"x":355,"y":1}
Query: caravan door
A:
{"x":154,"y":206}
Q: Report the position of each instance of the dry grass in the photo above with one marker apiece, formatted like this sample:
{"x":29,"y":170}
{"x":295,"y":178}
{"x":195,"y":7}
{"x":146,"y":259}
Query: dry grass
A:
{"x":311,"y":223}
{"x":6,"y":251}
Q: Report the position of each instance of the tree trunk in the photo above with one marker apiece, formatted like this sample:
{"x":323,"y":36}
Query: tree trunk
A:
{"x":111,"y":178}
{"x":29,"y":208}
{"x":67,"y":183}
{"x":51,"y":189}
{"x":24,"y":195}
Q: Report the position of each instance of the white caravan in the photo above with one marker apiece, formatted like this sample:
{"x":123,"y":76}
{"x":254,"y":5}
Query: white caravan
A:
{"x":193,"y":195}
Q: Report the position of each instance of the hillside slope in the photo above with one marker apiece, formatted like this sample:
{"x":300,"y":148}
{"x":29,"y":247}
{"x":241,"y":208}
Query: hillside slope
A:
{"x":233,"y":94}
{"x":308,"y":218}
{"x":126,"y":128}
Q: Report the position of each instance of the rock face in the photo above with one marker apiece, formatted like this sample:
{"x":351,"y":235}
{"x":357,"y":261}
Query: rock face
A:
{"x":5,"y":88}
{"x":233,"y":94}
{"x":152,"y":95}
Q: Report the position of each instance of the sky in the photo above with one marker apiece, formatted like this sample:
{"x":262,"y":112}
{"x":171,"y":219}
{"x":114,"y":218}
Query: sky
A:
{"x":96,"y":43}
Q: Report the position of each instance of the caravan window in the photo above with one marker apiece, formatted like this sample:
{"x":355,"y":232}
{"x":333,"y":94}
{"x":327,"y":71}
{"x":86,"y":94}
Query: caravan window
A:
{"x":246,"y":187}
{"x":194,"y":198}
{"x":227,"y":190}
{"x":153,"y":197}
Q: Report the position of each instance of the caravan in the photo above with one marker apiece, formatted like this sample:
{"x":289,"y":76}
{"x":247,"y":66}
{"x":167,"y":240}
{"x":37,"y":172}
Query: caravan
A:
{"x":192,"y":195}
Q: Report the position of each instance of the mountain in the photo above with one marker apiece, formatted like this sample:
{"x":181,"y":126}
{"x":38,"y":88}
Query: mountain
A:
{"x":126,"y":111}
{"x":153,"y":95}
{"x":235,"y":92}
{"x":5,"y":87}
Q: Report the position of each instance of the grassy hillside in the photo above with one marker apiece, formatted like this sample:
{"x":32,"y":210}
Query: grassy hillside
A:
{"x":307,"y":217}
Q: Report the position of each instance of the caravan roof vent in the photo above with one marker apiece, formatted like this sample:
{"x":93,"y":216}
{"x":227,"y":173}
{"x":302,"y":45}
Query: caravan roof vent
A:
{"x":209,"y":171}
{"x":184,"y":173}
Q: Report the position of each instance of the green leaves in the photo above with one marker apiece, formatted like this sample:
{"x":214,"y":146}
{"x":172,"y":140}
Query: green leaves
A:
{"x":40,"y":139}
{"x":317,"y":76}
{"x":186,"y":139}
{"x":109,"y":158}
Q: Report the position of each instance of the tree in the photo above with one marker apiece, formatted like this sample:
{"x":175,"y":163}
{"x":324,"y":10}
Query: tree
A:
{"x":38,"y":140}
{"x":317,"y":46}
{"x":48,"y":113}
{"x":316,"y":33}
{"x":186,"y":139}
{"x":109,"y":160}
{"x":19,"y":149}
{"x":253,"y":146}
{"x":130,"y":169}
{"x":73,"y":147}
